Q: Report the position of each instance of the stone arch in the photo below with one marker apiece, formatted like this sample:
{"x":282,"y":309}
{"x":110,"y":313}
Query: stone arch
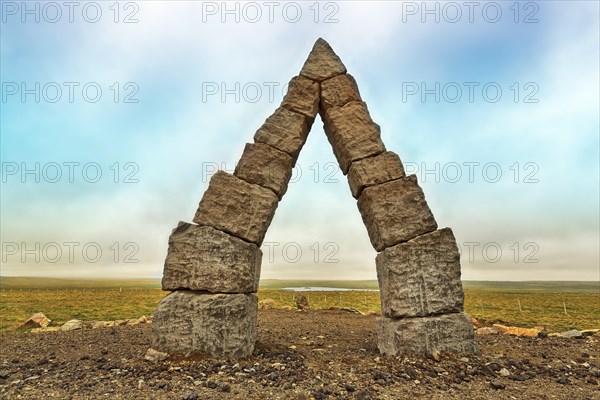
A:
{"x":213,"y":266}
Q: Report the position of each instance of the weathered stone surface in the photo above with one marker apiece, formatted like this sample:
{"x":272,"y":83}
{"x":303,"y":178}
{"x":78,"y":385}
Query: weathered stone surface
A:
{"x":72,"y":325}
{"x":267,"y":304}
{"x":266,"y":166}
{"x":352,"y":133}
{"x":204,"y":258}
{"x":322,"y":63}
{"x":285,"y":130}
{"x":302,"y":96}
{"x":515,"y":330}
{"x":371,"y":171}
{"x":217,"y":324}
{"x":339,"y":91}
{"x":395,"y":212}
{"x":573,"y":333}
{"x":37,"y":320}
{"x":302,"y":302}
{"x":237,"y":207}
{"x":154,"y":356}
{"x":446,"y":333}
{"x":421,"y":277}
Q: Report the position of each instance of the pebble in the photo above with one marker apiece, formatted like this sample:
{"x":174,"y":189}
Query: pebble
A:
{"x":349,"y":388}
{"x":154,"y":355}
{"x":191,"y":396}
{"x":225,"y":387}
{"x":497,"y":385}
{"x":573,"y":333}
{"x":362,"y":395}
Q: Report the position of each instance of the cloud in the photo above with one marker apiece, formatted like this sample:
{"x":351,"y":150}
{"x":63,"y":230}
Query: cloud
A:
{"x":175,"y":137}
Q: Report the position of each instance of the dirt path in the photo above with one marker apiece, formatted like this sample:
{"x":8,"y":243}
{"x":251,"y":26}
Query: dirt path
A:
{"x":335,"y":356}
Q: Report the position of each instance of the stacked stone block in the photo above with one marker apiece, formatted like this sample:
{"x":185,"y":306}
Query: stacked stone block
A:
{"x":418,"y":266}
{"x":213,"y":266}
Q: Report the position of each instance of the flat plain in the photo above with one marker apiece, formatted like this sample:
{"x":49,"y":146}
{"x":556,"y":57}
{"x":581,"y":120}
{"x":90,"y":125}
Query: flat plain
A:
{"x":557,"y":306}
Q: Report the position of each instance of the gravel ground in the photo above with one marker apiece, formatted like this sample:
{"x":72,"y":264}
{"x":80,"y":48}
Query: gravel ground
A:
{"x":299,"y":355}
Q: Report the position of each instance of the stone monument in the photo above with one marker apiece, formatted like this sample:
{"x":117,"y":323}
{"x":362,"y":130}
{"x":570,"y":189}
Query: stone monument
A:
{"x":213,"y":266}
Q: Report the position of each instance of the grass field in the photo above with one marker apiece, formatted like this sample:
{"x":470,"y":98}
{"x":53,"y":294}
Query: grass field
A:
{"x":541,"y":303}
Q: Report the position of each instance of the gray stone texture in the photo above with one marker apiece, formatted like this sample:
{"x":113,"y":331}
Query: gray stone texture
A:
{"x":207,"y":259}
{"x":266,"y":166}
{"x":371,"y":171}
{"x":352,"y":133}
{"x":445,"y":333}
{"x":421,"y":277}
{"x":285,"y":130}
{"x":195,"y":322}
{"x":395,"y":211}
{"x":214,"y":267}
{"x":302,"y":96}
{"x":338,"y":91}
{"x":322,"y":63}
{"x":237,"y":207}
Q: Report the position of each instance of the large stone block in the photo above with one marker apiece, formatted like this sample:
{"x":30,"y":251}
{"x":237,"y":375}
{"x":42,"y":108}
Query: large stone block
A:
{"x":446,"y":333}
{"x":302,"y":96}
{"x":237,"y":207}
{"x":285,"y":130}
{"x":322,"y":63}
{"x":395,"y":211}
{"x":352,"y":133}
{"x":338,"y":91}
{"x":266,"y":166}
{"x":195,"y":322}
{"x":204,"y":258}
{"x":421,"y":277}
{"x":371,"y":171}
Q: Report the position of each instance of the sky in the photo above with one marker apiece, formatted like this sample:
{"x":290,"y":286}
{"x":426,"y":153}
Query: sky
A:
{"x":114,"y":115}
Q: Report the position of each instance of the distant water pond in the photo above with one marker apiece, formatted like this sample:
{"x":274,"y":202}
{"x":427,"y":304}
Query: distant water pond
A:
{"x":325,"y":289}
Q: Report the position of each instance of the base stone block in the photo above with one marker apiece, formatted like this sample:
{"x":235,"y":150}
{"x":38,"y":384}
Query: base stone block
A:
{"x":446,"y":333}
{"x":395,"y":212}
{"x":196,"y":322}
{"x":204,"y":258}
{"x":237,"y":207}
{"x":421,"y":277}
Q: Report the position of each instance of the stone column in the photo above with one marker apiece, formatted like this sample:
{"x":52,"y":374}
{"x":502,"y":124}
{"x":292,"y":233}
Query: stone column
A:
{"x":418,"y":266}
{"x":213,"y":270}
{"x":213,"y":266}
